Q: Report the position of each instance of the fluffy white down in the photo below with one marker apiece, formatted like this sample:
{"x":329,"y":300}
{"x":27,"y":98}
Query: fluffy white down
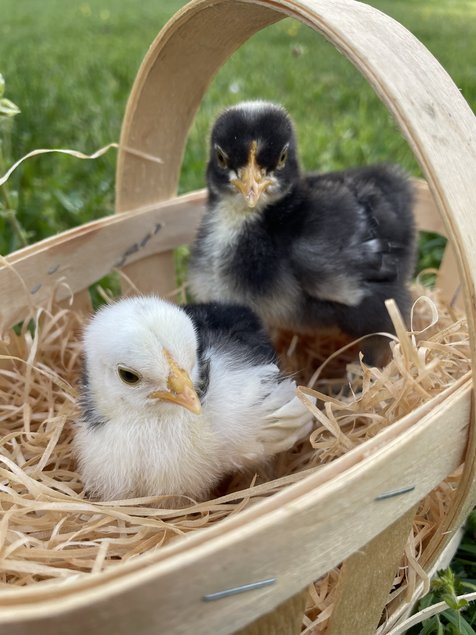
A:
{"x":154,"y":448}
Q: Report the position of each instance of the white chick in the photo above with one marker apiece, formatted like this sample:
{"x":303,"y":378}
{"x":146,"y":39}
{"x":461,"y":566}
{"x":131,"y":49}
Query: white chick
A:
{"x":174,"y":398}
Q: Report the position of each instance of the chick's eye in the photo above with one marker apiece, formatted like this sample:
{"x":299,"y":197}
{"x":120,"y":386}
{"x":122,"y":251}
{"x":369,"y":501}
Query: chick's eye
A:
{"x":283,"y":157}
{"x":128,"y":376}
{"x":222,"y":158}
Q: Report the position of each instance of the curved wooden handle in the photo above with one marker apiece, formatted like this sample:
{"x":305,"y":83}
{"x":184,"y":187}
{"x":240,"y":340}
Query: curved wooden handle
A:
{"x":426,"y":104}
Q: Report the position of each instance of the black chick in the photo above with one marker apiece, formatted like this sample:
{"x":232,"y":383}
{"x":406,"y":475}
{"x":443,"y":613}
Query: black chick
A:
{"x":304,"y":251}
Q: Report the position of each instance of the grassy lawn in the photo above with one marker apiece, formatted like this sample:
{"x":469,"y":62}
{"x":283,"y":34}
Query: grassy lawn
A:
{"x":69,"y":66}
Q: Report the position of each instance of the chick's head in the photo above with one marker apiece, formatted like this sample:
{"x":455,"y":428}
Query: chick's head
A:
{"x":141,"y":356}
{"x":252,"y":155}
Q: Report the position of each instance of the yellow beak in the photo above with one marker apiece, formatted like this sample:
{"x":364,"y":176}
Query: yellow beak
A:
{"x":180,"y":388}
{"x":251,"y":182}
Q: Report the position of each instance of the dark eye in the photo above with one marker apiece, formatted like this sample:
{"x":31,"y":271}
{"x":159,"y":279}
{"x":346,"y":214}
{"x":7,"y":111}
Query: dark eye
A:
{"x":221,"y":156}
{"x":283,"y":157}
{"x":128,"y":376}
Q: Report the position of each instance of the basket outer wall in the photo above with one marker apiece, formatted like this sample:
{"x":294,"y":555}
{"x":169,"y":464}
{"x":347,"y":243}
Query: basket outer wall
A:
{"x":439,"y":126}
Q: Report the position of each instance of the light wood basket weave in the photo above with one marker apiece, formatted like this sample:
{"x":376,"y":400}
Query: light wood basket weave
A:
{"x":332,"y":515}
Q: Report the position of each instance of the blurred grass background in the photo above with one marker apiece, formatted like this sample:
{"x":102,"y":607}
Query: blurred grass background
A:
{"x":69,"y":66}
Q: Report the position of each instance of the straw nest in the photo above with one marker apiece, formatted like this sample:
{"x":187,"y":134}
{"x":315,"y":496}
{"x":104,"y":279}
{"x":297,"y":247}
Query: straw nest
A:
{"x":50,"y":533}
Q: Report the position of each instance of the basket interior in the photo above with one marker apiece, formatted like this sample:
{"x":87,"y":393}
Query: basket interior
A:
{"x":52,"y":534}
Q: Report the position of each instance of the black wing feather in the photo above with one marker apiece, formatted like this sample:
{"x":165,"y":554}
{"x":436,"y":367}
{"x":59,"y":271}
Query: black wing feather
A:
{"x":233,"y":327}
{"x":359,"y":224}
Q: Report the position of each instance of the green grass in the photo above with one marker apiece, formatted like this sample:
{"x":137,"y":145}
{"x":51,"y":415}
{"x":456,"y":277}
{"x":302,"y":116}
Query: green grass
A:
{"x":70,"y":65}
{"x":458,"y":580}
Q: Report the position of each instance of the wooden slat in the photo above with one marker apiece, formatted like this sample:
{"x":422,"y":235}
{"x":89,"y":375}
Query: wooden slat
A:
{"x":153,"y":274}
{"x":449,"y":279}
{"x":285,"y":619}
{"x":366,"y":579}
{"x":80,"y":302}
{"x":426,"y":212}
{"x":401,"y":607}
{"x":83,"y":255}
{"x":428,"y":219}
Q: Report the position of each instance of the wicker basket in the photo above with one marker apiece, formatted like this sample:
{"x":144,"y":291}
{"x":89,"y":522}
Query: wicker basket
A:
{"x":331,"y":515}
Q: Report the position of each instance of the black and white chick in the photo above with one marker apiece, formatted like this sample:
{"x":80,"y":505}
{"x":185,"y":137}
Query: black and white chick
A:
{"x":174,"y":398}
{"x":304,"y":251}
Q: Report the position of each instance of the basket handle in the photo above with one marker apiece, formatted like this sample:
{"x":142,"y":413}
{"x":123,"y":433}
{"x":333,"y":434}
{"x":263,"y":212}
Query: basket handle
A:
{"x":428,"y":107}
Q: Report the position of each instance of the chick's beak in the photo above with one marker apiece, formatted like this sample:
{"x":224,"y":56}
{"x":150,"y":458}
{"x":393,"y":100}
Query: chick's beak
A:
{"x":251,"y":182}
{"x":180,"y":388}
